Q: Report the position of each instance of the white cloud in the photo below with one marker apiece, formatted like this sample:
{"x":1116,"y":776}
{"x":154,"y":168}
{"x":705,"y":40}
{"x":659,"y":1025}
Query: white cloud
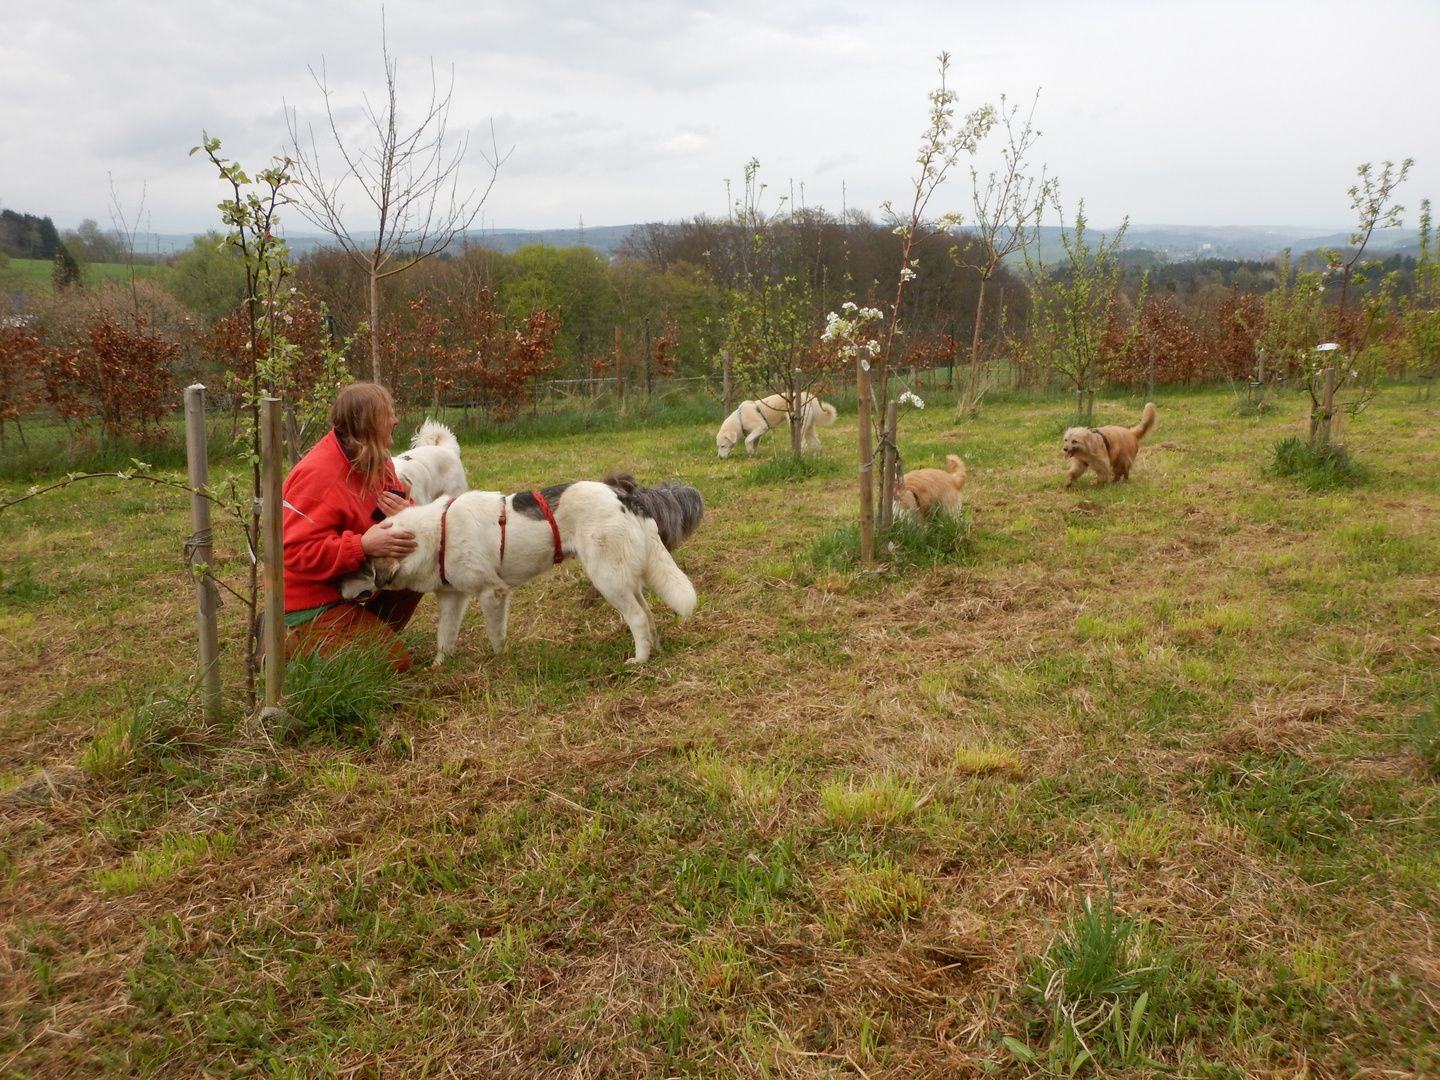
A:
{"x":624,"y":110}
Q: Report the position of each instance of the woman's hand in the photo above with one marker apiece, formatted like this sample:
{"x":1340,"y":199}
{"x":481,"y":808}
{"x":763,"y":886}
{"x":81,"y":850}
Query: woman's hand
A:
{"x":390,"y":503}
{"x":381,"y":541}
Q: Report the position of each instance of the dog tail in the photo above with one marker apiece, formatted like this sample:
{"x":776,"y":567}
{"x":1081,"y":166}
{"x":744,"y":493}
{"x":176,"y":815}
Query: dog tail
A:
{"x":434,"y":433}
{"x":826,"y":414}
{"x":668,"y":581}
{"x":1147,"y":422}
{"x":957,"y":469}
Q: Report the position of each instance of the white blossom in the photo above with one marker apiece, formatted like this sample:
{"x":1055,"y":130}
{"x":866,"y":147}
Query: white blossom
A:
{"x":910,"y":398}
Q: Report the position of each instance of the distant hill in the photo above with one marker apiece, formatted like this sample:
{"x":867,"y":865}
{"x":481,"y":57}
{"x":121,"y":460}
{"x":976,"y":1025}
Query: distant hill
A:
{"x":1176,"y":242}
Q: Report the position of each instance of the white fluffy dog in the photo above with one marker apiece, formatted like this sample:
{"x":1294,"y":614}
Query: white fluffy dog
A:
{"x":754,"y":418}
{"x":432,"y":466}
{"x":483,"y":544}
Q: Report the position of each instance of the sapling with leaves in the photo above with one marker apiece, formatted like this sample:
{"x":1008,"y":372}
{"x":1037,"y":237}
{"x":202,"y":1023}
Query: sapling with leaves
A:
{"x":772,"y":327}
{"x":1422,"y":315}
{"x":1074,"y":302}
{"x":942,"y":145}
{"x":253,"y":216}
{"x":1354,"y":325}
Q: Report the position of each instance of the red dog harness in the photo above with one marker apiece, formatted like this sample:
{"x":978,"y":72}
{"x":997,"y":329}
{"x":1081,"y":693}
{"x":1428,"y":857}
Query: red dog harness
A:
{"x":545,"y":508}
{"x":443,"y":579}
{"x":554,"y":529}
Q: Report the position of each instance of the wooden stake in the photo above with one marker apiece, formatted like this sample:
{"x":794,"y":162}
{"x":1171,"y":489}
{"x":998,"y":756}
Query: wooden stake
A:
{"x":272,"y":465}
{"x":200,"y":547}
{"x":887,"y":468}
{"x":866,"y":398}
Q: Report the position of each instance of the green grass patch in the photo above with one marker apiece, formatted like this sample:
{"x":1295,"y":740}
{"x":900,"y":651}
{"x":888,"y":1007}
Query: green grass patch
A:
{"x":1316,"y":469}
{"x":342,"y":696}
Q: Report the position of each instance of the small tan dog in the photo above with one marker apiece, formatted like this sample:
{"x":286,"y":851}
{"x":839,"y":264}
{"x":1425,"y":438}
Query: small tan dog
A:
{"x":1109,"y":450}
{"x":928,"y":490}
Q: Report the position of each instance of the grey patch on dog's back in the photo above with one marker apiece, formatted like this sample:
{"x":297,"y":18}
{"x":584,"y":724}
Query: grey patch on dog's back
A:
{"x":524,"y":502}
{"x":676,"y":508}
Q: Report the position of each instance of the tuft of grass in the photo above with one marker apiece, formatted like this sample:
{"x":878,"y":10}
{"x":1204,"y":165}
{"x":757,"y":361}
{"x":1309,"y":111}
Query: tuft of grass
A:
{"x":783,"y":468}
{"x":141,"y":869}
{"x":21,"y":586}
{"x":1094,"y":985}
{"x":909,"y":544}
{"x":977,"y":760}
{"x":1316,"y":469}
{"x":880,"y":801}
{"x":152,"y":734}
{"x":885,"y":891}
{"x":1425,"y":735}
{"x":939,"y":539}
{"x":341,"y":697}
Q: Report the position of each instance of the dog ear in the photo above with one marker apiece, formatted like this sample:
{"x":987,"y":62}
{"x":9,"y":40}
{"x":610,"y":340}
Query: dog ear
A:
{"x":384,"y":571}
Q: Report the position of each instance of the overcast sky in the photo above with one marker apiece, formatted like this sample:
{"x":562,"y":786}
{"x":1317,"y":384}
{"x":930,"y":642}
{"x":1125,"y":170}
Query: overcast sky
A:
{"x":616,"y":112}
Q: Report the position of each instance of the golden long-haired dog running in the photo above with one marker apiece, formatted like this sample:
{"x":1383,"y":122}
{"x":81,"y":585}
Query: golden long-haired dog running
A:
{"x":927,"y":490}
{"x":1109,"y":450}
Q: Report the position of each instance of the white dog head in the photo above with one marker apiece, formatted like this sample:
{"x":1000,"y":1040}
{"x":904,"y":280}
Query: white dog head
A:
{"x":373,"y":575}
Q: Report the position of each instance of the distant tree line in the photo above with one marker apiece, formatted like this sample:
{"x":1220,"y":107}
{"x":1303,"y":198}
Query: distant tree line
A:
{"x":479,"y":327}
{"x":24,"y":236}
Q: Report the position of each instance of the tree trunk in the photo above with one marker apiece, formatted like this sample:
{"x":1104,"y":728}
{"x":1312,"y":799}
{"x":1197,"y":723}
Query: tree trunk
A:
{"x":374,"y":299}
{"x":969,"y":407}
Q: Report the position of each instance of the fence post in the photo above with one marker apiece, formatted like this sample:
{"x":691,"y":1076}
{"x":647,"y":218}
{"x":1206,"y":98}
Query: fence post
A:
{"x":272,"y":459}
{"x":199,"y":548}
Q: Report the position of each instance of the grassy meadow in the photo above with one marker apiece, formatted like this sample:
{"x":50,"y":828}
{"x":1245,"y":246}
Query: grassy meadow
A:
{"x":1124,"y":781}
{"x":36,"y":275}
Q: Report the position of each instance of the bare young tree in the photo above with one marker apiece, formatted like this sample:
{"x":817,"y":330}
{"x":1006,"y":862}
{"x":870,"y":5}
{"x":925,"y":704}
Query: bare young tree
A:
{"x":1006,"y":209}
{"x":409,"y":177}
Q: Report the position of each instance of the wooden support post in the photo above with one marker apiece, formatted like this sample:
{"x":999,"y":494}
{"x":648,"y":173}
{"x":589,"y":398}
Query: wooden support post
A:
{"x":866,"y":399}
{"x":272,"y":471}
{"x":727,"y":389}
{"x":887,"y":468}
{"x":199,"y":548}
{"x":1327,"y":408}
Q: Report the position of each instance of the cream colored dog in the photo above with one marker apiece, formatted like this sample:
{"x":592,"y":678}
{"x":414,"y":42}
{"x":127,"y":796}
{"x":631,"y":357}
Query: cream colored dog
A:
{"x":925,"y":491}
{"x":1109,"y":450}
{"x":754,"y":418}
{"x":432,"y":466}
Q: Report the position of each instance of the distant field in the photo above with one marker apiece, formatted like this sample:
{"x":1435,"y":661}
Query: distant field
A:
{"x":845,"y":824}
{"x":37,"y":273}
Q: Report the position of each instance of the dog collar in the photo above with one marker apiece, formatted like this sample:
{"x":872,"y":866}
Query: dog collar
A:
{"x":554,"y":529}
{"x":502,"y":528}
{"x":740,"y":419}
{"x":443,"y":579}
{"x":1097,"y":431}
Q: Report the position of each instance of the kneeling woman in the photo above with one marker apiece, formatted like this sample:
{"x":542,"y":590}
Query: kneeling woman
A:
{"x":336,"y":498}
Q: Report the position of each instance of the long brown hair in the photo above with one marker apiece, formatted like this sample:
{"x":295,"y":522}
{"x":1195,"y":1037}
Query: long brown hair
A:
{"x":361,"y":419}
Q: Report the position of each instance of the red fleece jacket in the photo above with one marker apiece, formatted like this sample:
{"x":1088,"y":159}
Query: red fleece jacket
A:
{"x":326,"y":513}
